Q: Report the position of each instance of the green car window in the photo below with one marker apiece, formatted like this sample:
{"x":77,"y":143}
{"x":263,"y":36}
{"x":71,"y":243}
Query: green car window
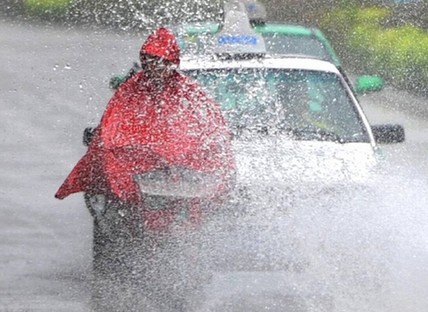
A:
{"x":199,"y":39}
{"x":295,"y":45}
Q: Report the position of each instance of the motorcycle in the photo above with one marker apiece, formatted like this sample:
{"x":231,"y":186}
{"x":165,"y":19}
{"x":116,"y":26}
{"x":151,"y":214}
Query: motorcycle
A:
{"x":149,"y":254}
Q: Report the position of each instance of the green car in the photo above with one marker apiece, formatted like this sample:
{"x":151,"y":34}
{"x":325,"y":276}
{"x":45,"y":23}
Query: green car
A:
{"x":195,"y":39}
{"x":280,"y":39}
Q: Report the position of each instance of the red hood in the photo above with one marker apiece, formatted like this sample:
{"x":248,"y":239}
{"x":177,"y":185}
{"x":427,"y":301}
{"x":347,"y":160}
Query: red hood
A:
{"x":162,"y":43}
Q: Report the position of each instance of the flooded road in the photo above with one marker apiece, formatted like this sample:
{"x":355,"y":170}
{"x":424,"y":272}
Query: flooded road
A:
{"x":54,"y":82}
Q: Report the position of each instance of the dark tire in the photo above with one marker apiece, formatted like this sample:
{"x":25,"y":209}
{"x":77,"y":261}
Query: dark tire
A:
{"x":114,"y":239}
{"x":133,"y":270}
{"x":176,"y":274}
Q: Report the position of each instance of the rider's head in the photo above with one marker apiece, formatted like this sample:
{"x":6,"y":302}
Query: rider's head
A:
{"x":160,"y":54}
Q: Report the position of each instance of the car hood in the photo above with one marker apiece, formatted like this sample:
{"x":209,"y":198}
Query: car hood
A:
{"x":279,"y":161}
{"x":281,"y":185}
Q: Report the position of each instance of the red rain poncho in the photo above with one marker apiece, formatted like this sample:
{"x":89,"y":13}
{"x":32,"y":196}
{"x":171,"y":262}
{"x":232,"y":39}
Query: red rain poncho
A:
{"x":144,"y":127}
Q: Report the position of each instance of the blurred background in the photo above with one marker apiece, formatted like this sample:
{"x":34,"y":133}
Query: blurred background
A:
{"x":385,"y":37}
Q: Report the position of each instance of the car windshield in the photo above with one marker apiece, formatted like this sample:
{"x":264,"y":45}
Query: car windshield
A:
{"x":276,"y":44}
{"x":308,"y":105}
{"x":299,"y":45}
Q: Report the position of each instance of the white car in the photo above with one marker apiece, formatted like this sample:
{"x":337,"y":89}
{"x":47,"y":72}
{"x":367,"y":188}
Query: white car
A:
{"x":301,"y":140}
{"x":295,"y":121}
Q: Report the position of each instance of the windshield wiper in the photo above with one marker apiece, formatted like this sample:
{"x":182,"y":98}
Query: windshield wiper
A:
{"x":316,"y":134}
{"x":297,"y":133}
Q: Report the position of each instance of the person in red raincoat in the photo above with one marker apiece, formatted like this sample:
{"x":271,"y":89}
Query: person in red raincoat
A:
{"x":155,"y":118}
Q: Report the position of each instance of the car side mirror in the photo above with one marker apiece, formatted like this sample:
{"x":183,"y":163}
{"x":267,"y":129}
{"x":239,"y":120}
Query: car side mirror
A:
{"x":388,"y":133}
{"x":88,"y":134}
{"x":116,"y":81}
{"x":366,"y":83}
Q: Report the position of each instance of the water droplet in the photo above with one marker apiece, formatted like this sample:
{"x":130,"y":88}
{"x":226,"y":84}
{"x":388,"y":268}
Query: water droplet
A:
{"x":67,"y":66}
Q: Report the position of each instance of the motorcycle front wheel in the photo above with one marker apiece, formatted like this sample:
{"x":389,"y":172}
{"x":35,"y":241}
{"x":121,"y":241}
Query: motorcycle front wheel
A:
{"x":133,"y":270}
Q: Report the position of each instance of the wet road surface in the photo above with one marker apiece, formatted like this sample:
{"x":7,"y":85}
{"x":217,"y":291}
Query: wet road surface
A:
{"x":53,"y":83}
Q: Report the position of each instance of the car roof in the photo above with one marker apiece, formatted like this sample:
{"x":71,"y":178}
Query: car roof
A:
{"x":284,"y":29}
{"x":280,"y":62}
{"x":280,"y":28}
{"x":198,"y":28}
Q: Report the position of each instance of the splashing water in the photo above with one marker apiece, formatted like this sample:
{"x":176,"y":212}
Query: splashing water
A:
{"x":358,"y":249}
